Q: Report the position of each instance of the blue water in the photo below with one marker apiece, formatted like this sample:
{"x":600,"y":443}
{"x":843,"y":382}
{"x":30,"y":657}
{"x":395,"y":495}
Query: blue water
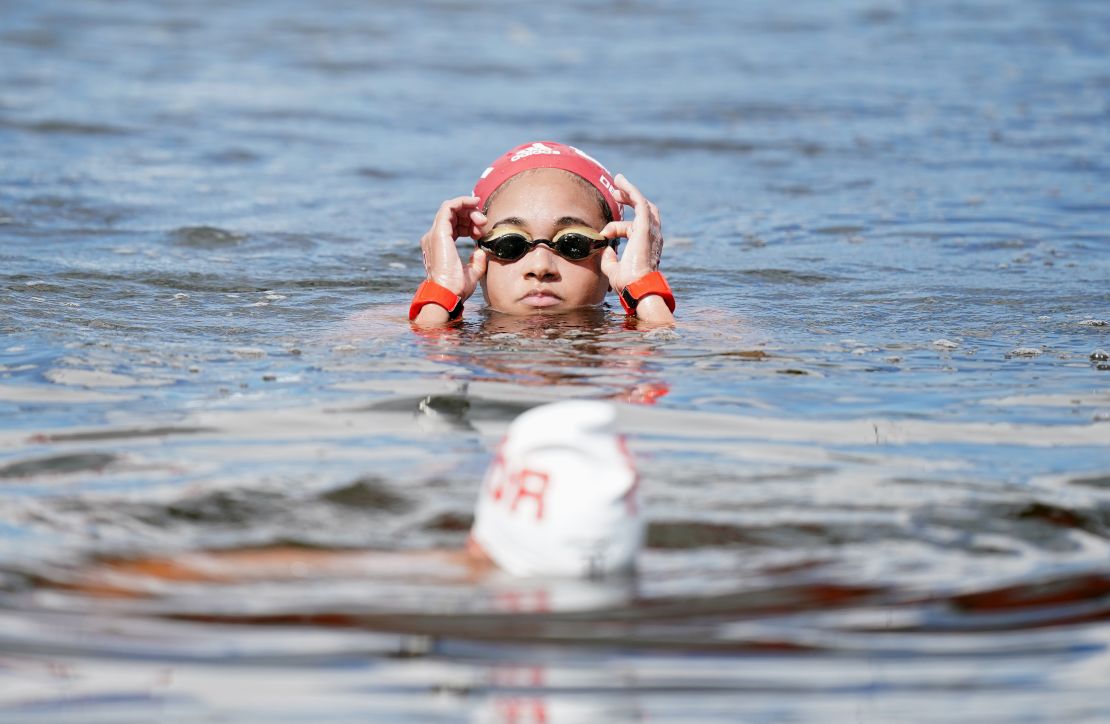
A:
{"x":875,"y":451}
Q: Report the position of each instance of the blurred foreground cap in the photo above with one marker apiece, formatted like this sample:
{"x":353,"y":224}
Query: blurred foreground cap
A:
{"x":560,"y":497}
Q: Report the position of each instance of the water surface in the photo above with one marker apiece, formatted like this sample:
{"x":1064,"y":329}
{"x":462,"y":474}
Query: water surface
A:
{"x":875,"y":452}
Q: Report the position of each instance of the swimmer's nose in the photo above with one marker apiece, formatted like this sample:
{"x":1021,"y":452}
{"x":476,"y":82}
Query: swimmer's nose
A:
{"x":540,"y":264}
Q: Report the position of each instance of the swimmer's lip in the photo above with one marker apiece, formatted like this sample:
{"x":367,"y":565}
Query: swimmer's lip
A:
{"x":541,"y":298}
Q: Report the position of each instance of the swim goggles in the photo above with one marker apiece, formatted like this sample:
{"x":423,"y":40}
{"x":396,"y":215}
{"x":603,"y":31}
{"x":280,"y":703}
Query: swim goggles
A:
{"x":574,"y":243}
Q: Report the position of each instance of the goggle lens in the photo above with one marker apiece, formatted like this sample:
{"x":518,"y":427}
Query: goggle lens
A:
{"x":572,"y":244}
{"x":508,"y":246}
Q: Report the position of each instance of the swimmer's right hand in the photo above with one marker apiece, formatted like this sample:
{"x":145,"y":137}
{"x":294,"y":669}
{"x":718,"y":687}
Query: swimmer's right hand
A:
{"x":456,"y":217}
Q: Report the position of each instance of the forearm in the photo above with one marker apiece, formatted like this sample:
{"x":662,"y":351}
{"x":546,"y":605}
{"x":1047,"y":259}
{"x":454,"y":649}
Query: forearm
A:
{"x":653,"y":309}
{"x":431,"y":315}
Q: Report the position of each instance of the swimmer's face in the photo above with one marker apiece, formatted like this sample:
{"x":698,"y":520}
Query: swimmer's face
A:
{"x":543,"y":202}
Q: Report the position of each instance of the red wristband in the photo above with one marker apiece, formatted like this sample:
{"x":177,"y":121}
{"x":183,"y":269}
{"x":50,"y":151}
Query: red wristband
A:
{"x":431,"y":293}
{"x":651,"y":283}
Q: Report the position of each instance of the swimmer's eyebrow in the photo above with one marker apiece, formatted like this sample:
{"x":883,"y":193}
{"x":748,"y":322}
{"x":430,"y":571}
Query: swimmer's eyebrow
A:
{"x":572,"y":221}
{"x":510,"y":221}
{"x":562,"y":223}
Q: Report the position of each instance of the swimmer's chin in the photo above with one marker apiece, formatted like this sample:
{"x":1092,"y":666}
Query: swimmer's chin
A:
{"x":524,"y":310}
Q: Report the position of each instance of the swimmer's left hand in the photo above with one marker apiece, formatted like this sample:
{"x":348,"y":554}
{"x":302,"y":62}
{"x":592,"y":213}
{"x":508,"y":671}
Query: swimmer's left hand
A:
{"x":642,"y":254}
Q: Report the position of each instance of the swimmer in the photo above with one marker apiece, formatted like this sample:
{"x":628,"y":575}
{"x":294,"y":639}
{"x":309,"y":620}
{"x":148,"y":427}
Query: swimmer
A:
{"x":560,"y":498}
{"x":547,"y":221}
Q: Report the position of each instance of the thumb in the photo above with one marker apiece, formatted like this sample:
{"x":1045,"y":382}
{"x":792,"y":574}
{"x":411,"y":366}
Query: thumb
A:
{"x":610,"y":264}
{"x":476,"y":267}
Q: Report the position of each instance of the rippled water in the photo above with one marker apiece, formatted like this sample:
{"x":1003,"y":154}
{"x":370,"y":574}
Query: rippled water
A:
{"x":876,"y":451}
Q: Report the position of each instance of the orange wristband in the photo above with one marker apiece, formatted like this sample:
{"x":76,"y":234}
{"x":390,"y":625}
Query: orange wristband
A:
{"x":431,"y":293}
{"x":651,"y":283}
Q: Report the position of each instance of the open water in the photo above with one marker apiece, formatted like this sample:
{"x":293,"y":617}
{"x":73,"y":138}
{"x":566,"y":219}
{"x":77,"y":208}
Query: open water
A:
{"x":875,"y":452}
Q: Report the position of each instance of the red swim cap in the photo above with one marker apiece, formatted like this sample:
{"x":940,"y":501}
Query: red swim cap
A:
{"x":547,"y":154}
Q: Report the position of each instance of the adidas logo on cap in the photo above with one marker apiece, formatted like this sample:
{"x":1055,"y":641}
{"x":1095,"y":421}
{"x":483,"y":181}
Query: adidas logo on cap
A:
{"x":535,"y":148}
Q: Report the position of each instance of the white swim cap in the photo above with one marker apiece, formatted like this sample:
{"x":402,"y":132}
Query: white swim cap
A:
{"x":560,"y":497}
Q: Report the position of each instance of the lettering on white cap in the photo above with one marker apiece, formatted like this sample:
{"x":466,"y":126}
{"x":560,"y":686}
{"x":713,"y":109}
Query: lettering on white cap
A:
{"x":518,"y":485}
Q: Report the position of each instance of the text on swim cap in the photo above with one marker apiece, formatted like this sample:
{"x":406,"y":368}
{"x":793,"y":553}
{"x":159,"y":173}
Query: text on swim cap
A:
{"x":513,"y":487}
{"x":608,"y":186}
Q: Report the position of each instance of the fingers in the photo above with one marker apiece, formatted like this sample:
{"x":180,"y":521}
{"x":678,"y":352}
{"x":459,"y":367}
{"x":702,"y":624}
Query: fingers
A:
{"x":633,"y":194}
{"x":644,"y":234}
{"x":630,"y":195}
{"x":469,"y":222}
{"x":616,"y":229}
{"x":453,"y":217}
{"x":456,"y":217}
{"x":477,"y":222}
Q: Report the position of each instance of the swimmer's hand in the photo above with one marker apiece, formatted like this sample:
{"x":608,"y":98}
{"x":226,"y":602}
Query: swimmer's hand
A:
{"x":642,"y":254}
{"x":456,"y":217}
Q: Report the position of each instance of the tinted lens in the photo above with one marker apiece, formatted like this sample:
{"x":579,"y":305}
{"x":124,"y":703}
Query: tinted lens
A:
{"x":575,"y":246}
{"x":509,"y":247}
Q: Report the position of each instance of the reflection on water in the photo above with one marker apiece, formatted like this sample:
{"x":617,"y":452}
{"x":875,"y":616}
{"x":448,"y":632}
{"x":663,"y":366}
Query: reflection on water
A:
{"x":592,"y":350}
{"x":874,"y":453}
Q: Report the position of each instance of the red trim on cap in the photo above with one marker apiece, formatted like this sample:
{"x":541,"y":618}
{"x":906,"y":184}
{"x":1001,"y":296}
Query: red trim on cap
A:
{"x":547,"y":154}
